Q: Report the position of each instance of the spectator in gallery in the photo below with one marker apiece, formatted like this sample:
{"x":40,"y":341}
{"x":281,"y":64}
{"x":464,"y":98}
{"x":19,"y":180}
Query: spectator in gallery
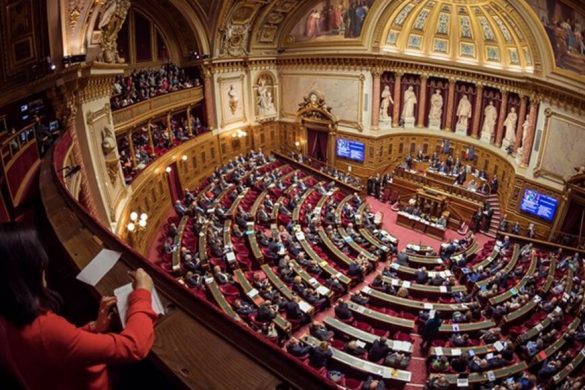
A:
{"x":44,"y":348}
{"x":516,"y":228}
{"x":531,"y":230}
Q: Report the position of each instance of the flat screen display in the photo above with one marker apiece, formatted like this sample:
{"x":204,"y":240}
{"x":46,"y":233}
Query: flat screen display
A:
{"x":351,"y":150}
{"x":540,"y":205}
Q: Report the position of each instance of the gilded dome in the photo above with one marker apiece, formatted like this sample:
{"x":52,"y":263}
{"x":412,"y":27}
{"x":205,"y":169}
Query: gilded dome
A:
{"x":477,"y":32}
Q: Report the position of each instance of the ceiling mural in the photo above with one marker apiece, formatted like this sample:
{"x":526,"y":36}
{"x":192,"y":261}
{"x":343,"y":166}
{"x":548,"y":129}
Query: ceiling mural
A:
{"x":471,"y":32}
{"x":332,"y":20}
{"x":565,"y":28}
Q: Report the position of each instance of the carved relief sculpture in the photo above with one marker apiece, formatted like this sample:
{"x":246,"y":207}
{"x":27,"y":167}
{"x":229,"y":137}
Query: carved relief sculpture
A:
{"x":510,"y":124}
{"x":385,"y":117}
{"x":109,"y":151}
{"x":436,"y":111}
{"x":463,"y":115}
{"x":314,"y":107}
{"x":233,"y":100}
{"x":112,"y":18}
{"x":235,"y":40}
{"x":490,"y":117}
{"x":408,"y":108}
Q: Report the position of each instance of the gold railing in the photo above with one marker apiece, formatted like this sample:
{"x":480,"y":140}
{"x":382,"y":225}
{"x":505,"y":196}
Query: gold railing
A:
{"x":127,"y":117}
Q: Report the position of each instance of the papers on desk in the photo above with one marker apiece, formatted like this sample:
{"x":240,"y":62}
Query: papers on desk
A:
{"x":348,"y":239}
{"x":252,"y":293}
{"x":99,"y":267}
{"x":210,"y":211}
{"x":427,"y":306}
{"x":455,"y":327}
{"x":456,"y":351}
{"x":491,"y":376}
{"x":403,"y":346}
{"x":300,"y":236}
{"x":230,"y":257}
{"x":406,"y":284}
{"x":360,"y":343}
{"x":305,"y":307}
{"x":323,"y":290}
{"x":443,"y":289}
{"x":209,"y":280}
{"x":438,"y":351}
{"x":539,"y":327}
{"x":462,"y":382}
{"x":122,"y":293}
{"x":395,"y":266}
{"x":366,"y":290}
{"x":489,"y":356}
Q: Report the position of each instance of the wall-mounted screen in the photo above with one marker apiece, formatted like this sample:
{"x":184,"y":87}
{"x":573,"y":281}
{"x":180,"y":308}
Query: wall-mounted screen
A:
{"x":351,"y":150}
{"x":540,"y":205}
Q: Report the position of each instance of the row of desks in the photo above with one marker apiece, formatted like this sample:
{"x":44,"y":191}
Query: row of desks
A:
{"x":363,"y":365}
{"x":420,"y":225}
{"x":176,"y":259}
{"x":412,"y":304}
{"x":424,"y":288}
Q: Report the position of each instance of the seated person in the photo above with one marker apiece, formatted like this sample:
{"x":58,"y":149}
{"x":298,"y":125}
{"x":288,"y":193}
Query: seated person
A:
{"x":243,"y":308}
{"x":352,"y":347}
{"x":397,"y":359}
{"x":320,"y":332}
{"x":319,"y":356}
{"x":266,"y":311}
{"x":298,"y":348}
{"x":342,"y":311}
{"x":378,"y":350}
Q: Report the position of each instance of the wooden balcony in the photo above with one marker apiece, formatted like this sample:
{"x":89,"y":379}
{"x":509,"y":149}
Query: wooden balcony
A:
{"x":127,"y":117}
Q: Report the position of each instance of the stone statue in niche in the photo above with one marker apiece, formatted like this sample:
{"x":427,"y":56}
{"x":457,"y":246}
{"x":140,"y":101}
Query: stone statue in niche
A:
{"x":265,"y":101}
{"x":108,"y":149}
{"x":510,"y":125}
{"x":233,"y":100}
{"x":235,"y":39}
{"x":490,"y":116}
{"x":523,"y":148}
{"x":111,"y":20}
{"x":408,"y":107}
{"x":385,"y":117}
{"x":436,"y":111}
{"x":463,"y":115}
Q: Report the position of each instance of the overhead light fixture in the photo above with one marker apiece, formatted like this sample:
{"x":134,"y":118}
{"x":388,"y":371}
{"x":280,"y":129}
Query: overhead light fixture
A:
{"x":168,"y":169}
{"x":133,"y":216}
{"x":184,"y":157}
{"x":131,"y":227}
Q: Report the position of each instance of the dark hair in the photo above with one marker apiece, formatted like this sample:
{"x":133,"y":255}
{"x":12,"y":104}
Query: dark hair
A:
{"x":23,"y":297}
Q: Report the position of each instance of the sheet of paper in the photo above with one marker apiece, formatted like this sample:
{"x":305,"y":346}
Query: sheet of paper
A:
{"x":323,"y":290}
{"x":439,"y":351}
{"x":456,"y":352}
{"x":462,"y":382}
{"x":122,"y":293}
{"x":99,"y":267}
{"x":305,"y":307}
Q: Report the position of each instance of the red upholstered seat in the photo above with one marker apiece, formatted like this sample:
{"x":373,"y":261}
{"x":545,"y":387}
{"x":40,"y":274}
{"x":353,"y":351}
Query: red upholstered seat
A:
{"x":228,"y":289}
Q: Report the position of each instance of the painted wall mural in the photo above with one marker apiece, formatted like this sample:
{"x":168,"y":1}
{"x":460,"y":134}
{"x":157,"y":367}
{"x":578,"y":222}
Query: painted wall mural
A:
{"x":565,"y":27}
{"x":332,"y":19}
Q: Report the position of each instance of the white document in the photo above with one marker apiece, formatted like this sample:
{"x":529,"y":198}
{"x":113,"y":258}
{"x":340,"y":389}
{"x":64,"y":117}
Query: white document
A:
{"x":305,"y":307}
{"x":498,"y":346}
{"x":439,"y":351}
{"x":360,"y":343}
{"x":230,"y":257}
{"x":122,"y":293}
{"x":428,"y":306}
{"x":322,"y":290}
{"x":456,"y":352}
{"x":99,"y":267}
{"x":366,"y":290}
{"x":462,"y":382}
{"x":406,"y":284}
{"x":491,"y":376}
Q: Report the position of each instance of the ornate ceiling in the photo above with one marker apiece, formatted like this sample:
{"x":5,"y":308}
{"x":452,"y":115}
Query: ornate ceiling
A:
{"x":482,"y":32}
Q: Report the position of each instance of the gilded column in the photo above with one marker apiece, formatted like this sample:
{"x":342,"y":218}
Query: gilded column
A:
{"x":189,"y":121}
{"x":208,"y":94}
{"x":450,"y":105}
{"x":422,"y":101}
{"x":132,"y":150}
{"x":375,"y":97}
{"x":502,"y":119}
{"x":477,"y":114}
{"x":521,"y":119}
{"x":170,"y":128}
{"x":150,"y":138}
{"x":529,"y":138}
{"x":397,"y":99}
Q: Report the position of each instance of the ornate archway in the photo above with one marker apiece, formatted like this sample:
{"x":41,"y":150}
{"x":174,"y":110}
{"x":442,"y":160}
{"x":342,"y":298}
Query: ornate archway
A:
{"x":319,"y":127}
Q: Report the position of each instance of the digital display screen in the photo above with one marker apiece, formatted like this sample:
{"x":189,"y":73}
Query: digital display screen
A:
{"x":351,"y":150}
{"x":538,"y":204}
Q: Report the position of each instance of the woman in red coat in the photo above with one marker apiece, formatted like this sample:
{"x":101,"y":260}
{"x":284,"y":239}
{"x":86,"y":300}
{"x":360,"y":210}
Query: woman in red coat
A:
{"x":43,"y":350}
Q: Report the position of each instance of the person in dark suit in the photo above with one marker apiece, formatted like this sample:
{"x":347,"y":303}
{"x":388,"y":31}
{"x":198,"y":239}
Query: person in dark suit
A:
{"x":319,"y":356}
{"x":298,"y":348}
{"x":353,"y":348}
{"x":430,"y":331}
{"x":342,"y":311}
{"x":266,"y":312}
{"x":378,"y":350}
{"x":293,"y":309}
{"x":373,"y":384}
{"x":320,"y":331}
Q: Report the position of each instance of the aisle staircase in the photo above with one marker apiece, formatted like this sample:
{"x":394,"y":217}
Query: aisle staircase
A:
{"x":494,"y":203}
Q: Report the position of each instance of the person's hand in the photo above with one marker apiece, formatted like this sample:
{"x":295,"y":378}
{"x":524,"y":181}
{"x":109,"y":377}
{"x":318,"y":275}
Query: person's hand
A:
{"x":102,"y":323}
{"x":140,"y":279}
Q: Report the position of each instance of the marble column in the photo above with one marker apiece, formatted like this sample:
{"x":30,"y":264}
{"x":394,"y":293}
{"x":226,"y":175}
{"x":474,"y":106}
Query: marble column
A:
{"x":397,"y":99}
{"x":501,"y":119}
{"x":450,"y":106}
{"x":208,"y":94}
{"x":521,"y":119}
{"x":376,"y":98}
{"x":422,"y":101}
{"x":477,"y":111}
{"x":527,"y":149}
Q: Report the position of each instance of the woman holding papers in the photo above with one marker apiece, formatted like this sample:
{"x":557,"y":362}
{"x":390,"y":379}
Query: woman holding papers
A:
{"x":41,"y":349}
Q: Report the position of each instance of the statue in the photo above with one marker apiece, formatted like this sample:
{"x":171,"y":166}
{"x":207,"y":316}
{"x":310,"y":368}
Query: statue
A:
{"x":385,"y":105}
{"x":523,"y":148}
{"x":463,"y":115}
{"x":108,"y":141}
{"x":436,"y":111}
{"x":233,"y":100}
{"x":510,"y":125}
{"x":408,"y":107}
{"x":112,"y":18}
{"x":490,"y":115}
{"x":265,"y":103}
